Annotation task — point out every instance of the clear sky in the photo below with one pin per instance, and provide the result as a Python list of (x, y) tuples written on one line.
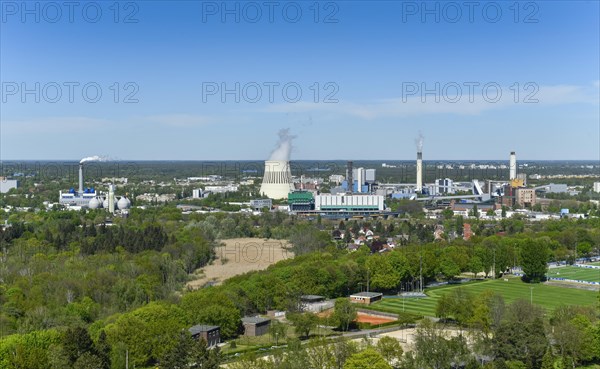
[(371, 74)]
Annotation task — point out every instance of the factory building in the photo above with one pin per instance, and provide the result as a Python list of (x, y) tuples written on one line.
[(301, 201), (554, 188), (258, 204), (525, 197), (221, 189), (370, 175), (89, 198), (596, 187), (7, 184), (360, 175), (328, 202), (444, 186), (336, 178)]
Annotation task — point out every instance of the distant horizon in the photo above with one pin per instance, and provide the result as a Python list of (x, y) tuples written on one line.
[(597, 161)]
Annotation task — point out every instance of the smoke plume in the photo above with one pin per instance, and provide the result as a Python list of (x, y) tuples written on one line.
[(284, 146), (92, 158), (419, 142)]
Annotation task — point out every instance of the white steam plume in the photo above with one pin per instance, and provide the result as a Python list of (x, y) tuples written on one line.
[(419, 142), (284, 146), (92, 158)]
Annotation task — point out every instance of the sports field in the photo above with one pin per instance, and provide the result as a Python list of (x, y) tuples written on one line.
[(549, 297), (576, 273)]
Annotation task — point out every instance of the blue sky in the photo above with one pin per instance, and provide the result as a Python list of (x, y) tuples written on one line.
[(365, 59)]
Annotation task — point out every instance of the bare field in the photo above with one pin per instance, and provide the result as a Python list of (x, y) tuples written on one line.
[(239, 256), (373, 319)]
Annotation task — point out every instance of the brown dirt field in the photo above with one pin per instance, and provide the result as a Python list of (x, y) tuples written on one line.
[(239, 256), (372, 319)]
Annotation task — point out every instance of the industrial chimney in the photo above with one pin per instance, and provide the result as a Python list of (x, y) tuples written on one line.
[(111, 198), (80, 178), (419, 188), (349, 177), (513, 166)]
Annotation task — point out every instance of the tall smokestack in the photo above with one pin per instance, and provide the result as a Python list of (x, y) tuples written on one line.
[(419, 188), (80, 178), (111, 198), (513, 166), (419, 142), (349, 177)]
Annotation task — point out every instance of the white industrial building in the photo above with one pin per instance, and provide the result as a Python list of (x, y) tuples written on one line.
[(7, 184), (596, 186), (370, 175), (220, 189), (556, 188), (336, 178), (347, 202), (444, 186), (258, 204)]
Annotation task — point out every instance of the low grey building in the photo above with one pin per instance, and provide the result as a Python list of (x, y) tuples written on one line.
[(210, 333), (258, 204), (255, 326)]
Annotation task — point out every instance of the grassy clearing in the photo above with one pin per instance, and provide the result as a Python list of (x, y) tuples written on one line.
[(549, 297)]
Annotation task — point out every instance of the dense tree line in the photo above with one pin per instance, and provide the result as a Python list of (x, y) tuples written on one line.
[(62, 270)]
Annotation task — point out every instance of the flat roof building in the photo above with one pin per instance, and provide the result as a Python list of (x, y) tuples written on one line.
[(210, 333), (7, 184), (366, 298), (328, 202), (255, 326), (525, 197)]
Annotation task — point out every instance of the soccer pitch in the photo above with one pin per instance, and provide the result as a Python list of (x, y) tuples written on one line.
[(549, 297), (576, 273)]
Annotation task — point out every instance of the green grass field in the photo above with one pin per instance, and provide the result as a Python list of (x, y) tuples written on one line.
[(549, 297), (571, 272)]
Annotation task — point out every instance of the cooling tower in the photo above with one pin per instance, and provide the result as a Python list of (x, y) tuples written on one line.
[(277, 182), (419, 188), (513, 166)]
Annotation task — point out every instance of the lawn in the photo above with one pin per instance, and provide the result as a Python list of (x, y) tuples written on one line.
[(576, 273), (549, 297)]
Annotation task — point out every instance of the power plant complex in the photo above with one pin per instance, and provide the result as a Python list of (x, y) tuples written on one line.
[(359, 193), (89, 198)]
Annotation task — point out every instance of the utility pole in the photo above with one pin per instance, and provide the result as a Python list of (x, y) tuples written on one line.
[(127, 359), (368, 275), (494, 271), (421, 271)]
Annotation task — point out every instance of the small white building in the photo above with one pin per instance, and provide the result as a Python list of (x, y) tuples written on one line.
[(7, 184)]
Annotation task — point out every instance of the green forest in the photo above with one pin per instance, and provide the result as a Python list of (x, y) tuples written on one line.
[(79, 290)]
